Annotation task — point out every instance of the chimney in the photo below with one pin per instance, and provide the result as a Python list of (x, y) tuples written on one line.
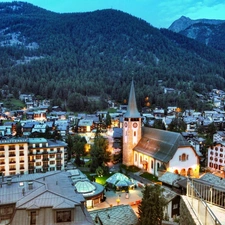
[(30, 185), (9, 180)]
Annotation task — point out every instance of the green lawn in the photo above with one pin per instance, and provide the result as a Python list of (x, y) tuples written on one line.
[(13, 104)]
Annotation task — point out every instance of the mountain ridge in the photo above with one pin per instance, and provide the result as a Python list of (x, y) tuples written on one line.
[(74, 55)]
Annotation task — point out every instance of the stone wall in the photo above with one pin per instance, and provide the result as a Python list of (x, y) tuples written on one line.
[(187, 216)]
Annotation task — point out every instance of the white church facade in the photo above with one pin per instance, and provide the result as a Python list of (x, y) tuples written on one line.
[(154, 150)]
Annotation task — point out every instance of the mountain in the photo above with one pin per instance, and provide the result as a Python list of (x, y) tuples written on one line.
[(208, 32), (71, 57), (184, 22)]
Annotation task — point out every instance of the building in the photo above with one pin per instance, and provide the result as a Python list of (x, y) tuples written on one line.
[(151, 149), (44, 198), (31, 155), (216, 156)]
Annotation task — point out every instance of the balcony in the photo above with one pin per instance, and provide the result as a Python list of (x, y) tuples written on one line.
[(12, 155), (12, 162), (2, 156), (2, 170), (2, 162), (21, 154), (22, 168)]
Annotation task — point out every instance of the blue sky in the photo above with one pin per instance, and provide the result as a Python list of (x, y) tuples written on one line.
[(159, 13)]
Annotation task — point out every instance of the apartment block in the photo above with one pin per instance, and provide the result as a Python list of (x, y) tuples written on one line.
[(31, 155)]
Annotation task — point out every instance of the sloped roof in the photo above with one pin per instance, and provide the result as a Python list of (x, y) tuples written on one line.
[(132, 111), (119, 177), (160, 144), (119, 215)]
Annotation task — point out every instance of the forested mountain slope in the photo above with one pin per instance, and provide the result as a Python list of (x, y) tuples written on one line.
[(69, 57)]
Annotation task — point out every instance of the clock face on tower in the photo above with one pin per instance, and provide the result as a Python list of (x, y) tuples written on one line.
[(135, 125), (125, 124)]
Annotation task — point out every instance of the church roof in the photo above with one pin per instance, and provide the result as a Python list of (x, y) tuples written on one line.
[(160, 144), (132, 111)]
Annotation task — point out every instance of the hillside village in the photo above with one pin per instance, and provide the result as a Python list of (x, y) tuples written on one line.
[(30, 153)]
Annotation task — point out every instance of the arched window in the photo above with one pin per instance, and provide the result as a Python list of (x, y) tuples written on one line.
[(183, 158)]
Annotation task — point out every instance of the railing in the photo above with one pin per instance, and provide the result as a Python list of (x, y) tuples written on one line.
[(202, 209)]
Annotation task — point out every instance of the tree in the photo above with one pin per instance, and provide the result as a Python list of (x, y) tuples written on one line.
[(99, 153), (152, 205), (108, 121), (78, 148), (19, 132), (159, 124), (177, 125)]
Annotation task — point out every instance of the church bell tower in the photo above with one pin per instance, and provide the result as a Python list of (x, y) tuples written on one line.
[(131, 128)]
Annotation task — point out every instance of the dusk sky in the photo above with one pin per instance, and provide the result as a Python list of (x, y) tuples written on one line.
[(159, 13)]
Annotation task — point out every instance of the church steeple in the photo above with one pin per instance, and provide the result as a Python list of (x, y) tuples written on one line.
[(132, 111), (131, 128)]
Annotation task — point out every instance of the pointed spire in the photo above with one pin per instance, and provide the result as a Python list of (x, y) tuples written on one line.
[(132, 111)]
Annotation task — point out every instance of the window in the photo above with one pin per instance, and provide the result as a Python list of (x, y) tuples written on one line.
[(38, 163), (32, 217), (140, 159), (52, 162), (135, 157), (211, 153), (183, 157), (152, 164), (216, 148), (63, 216), (221, 149), (134, 133), (175, 206)]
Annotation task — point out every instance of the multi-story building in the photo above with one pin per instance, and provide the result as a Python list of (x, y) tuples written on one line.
[(31, 155), (46, 155), (14, 156), (216, 156)]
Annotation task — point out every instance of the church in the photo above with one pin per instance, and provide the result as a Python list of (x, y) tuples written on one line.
[(155, 150)]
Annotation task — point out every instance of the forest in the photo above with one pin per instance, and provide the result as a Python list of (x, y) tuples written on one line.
[(71, 58)]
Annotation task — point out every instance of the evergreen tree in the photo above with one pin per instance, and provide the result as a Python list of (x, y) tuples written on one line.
[(19, 132), (152, 205), (99, 153), (108, 121)]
